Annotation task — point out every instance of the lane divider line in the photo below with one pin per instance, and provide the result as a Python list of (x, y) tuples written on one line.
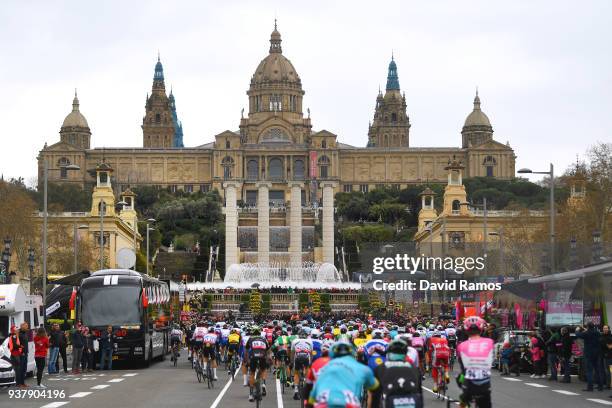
[(564, 392), (279, 395), (435, 393), (55, 404), (224, 390), (600, 401), (80, 394)]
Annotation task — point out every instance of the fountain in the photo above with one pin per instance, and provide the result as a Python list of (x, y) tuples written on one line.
[(308, 274)]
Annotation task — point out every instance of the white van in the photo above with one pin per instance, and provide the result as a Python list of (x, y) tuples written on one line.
[(15, 308)]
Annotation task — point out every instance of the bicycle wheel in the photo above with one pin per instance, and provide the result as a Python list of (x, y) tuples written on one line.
[(282, 378), (198, 372), (257, 390), (209, 375)]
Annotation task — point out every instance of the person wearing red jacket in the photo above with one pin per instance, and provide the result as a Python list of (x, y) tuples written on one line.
[(41, 346)]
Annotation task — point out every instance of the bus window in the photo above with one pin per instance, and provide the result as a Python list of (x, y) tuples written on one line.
[(27, 317), (4, 327)]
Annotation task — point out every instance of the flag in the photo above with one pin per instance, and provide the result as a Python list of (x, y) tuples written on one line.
[(145, 300), (73, 298), (458, 311)]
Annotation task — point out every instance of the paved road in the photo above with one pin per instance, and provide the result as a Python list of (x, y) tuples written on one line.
[(163, 385)]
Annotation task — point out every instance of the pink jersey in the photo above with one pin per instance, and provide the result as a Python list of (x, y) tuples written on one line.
[(417, 342), (476, 356)]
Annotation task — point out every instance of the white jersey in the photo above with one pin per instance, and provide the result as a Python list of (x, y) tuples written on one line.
[(450, 332), (225, 333), (199, 333), (299, 346), (176, 333), (413, 355)]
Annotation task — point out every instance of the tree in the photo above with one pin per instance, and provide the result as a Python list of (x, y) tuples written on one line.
[(60, 259), (600, 183), (65, 197)]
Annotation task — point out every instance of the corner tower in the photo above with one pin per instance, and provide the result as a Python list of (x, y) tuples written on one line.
[(158, 128), (391, 125)]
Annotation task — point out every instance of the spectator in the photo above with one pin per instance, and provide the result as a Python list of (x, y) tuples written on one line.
[(56, 337), (606, 352), (16, 348), (41, 346), (553, 344), (506, 356), (565, 353), (592, 355), (24, 339), (87, 363), (537, 354), (107, 342), (78, 342), (65, 328)]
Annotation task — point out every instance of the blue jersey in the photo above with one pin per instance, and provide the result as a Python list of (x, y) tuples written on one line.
[(341, 382), (374, 352), (316, 348)]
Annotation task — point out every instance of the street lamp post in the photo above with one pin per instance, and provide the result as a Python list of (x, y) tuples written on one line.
[(500, 234), (484, 229), (76, 245), (46, 170), (149, 221), (550, 173)]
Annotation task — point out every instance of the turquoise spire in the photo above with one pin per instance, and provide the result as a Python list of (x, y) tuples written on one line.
[(159, 70), (392, 78), (178, 126)]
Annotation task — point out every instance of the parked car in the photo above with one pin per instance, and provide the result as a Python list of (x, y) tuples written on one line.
[(7, 373), (519, 339)]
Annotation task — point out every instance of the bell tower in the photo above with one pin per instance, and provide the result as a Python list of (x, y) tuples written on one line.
[(454, 192), (103, 198), (428, 211), (391, 125), (158, 125)]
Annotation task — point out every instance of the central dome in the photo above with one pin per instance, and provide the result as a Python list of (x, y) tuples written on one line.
[(75, 118), (275, 68)]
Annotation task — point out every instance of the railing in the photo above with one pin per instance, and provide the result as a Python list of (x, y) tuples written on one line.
[(508, 213)]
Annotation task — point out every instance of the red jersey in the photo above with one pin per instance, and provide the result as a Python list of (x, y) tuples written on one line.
[(316, 366), (438, 346)]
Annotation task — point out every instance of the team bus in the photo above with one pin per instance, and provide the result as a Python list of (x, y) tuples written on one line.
[(137, 306)]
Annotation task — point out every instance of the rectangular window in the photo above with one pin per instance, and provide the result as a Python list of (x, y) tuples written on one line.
[(489, 171), (323, 172), (204, 188), (363, 188), (188, 188), (277, 197), (251, 197), (348, 188), (276, 103)]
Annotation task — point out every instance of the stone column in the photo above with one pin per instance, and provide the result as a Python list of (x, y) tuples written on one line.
[(263, 222), (295, 224), (328, 221), (231, 224)]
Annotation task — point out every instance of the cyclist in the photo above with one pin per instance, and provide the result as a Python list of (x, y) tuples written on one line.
[(224, 334), (301, 350), (400, 380), (280, 349), (245, 356), (439, 353), (315, 335), (317, 365), (233, 343), (475, 357), (374, 350), (198, 339), (257, 350), (176, 338), (334, 388), (209, 350)]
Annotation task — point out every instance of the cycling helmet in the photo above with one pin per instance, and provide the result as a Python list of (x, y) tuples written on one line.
[(397, 347), (326, 346), (439, 328), (255, 330), (341, 349), (432, 327), (450, 326), (315, 333), (377, 334), (211, 329), (435, 333), (303, 334), (474, 323)]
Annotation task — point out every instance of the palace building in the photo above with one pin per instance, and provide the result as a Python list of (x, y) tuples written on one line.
[(275, 155)]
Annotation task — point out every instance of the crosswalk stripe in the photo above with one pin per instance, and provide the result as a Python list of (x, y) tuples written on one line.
[(511, 379), (80, 394), (564, 392), (130, 374), (600, 401), (116, 380), (100, 387), (537, 385)]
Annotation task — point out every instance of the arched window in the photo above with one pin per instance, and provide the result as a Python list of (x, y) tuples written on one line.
[(275, 168), (324, 167), (394, 117), (489, 162), (62, 163), (227, 144), (456, 206), (228, 166), (252, 169), (298, 169), (324, 144), (157, 118)]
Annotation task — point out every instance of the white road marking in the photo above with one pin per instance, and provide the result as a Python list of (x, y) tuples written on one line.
[(100, 387), (130, 374), (511, 379), (80, 394), (116, 380), (55, 404), (537, 385), (600, 401), (224, 390), (435, 393), (279, 396), (564, 392)]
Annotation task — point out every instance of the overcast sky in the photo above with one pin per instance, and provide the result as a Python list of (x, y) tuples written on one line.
[(543, 69)]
